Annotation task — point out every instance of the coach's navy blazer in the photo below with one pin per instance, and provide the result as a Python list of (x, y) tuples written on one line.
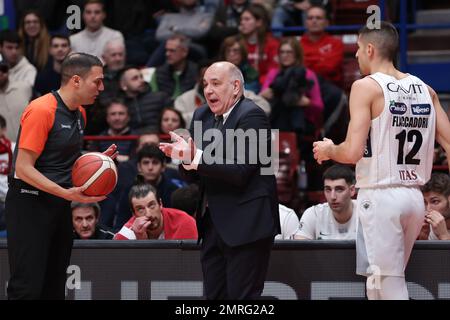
[(243, 204)]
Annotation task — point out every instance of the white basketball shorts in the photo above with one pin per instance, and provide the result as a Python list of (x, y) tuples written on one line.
[(390, 220)]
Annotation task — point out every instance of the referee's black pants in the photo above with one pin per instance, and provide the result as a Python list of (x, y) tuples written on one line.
[(40, 237)]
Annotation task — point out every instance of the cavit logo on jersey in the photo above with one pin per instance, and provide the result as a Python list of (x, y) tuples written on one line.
[(421, 109), (397, 107)]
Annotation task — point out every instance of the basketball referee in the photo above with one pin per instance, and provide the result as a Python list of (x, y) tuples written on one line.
[(38, 215)]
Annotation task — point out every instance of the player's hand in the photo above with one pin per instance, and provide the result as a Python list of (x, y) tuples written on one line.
[(437, 222), (76, 194), (140, 226), (321, 150), (111, 151), (179, 149)]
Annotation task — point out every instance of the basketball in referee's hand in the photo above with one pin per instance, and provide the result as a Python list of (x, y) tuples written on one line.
[(96, 171)]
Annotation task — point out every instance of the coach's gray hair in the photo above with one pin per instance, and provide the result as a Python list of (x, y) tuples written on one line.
[(236, 74)]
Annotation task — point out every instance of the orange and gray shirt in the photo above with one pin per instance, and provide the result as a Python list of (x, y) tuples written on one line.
[(54, 132)]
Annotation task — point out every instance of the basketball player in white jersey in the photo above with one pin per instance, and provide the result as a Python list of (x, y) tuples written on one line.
[(395, 118), (335, 219)]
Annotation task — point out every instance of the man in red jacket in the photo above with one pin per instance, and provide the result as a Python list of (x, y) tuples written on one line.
[(151, 221), (323, 53)]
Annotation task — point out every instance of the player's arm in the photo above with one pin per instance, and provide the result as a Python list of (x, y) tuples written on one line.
[(442, 124), (352, 149), (26, 171)]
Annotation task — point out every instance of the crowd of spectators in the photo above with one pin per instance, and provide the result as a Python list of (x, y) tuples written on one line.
[(154, 58)]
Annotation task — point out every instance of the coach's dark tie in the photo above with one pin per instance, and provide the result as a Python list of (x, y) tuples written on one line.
[(218, 122)]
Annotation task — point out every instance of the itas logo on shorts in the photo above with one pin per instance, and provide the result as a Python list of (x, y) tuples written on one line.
[(397, 107), (421, 109)]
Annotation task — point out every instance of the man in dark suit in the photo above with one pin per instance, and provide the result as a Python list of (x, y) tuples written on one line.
[(238, 214)]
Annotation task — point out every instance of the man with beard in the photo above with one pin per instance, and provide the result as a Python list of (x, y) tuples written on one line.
[(143, 105), (151, 220), (336, 219)]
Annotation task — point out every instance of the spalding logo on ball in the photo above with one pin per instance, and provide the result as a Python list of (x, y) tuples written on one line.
[(96, 171)]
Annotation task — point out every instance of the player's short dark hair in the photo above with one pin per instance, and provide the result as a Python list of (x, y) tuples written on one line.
[(186, 199), (384, 38), (152, 152), (439, 183), (78, 63), (141, 189), (339, 171)]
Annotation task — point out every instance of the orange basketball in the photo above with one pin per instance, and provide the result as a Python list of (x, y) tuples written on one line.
[(96, 171)]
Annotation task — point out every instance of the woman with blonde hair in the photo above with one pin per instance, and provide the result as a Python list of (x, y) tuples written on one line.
[(35, 38)]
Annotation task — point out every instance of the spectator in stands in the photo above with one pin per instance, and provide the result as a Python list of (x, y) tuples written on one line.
[(192, 20), (95, 35), (114, 57), (186, 199), (170, 120), (35, 38), (151, 164), (14, 97), (147, 136), (178, 74), (143, 105), (228, 15), (436, 193), (289, 223), (323, 53), (269, 5), (233, 50), (49, 78), (261, 46), (294, 91), (6, 150), (118, 119), (20, 69), (153, 221), (85, 222), (194, 98), (127, 171), (226, 23), (289, 13), (336, 219)]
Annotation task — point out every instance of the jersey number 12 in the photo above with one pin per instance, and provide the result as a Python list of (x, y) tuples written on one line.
[(412, 136)]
